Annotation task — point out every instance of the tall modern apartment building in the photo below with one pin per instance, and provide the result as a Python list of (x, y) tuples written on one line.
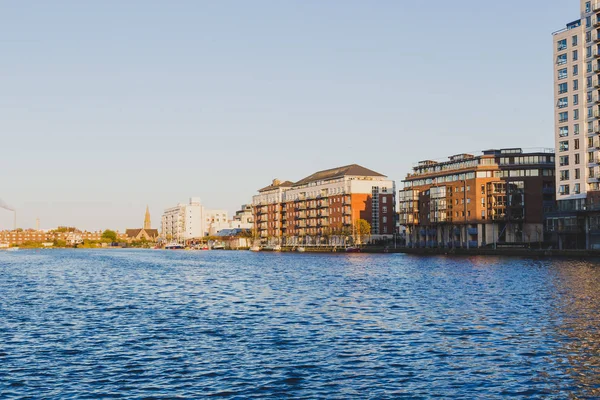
[(577, 128)]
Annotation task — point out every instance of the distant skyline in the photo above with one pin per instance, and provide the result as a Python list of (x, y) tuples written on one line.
[(106, 107)]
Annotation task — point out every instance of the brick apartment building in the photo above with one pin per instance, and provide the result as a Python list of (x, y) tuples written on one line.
[(499, 196), (325, 206)]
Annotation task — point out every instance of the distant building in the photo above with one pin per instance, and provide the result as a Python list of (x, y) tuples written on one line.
[(325, 206), (146, 233), (499, 196), (72, 236)]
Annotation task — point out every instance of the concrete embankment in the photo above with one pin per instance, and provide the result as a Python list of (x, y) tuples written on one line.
[(513, 252)]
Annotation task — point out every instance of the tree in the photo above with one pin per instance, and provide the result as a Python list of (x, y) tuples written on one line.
[(362, 229), (109, 235)]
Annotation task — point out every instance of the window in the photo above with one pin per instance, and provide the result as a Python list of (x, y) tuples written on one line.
[(384, 200), (588, 7), (562, 73), (564, 175), (384, 220), (576, 114), (575, 70), (588, 37), (588, 53), (575, 99), (563, 161), (577, 188), (576, 158), (574, 40), (588, 21), (575, 84), (563, 131), (562, 88), (563, 116), (576, 144), (562, 58), (563, 189), (577, 173), (483, 201), (561, 44), (384, 209), (563, 102), (576, 129), (589, 66), (575, 55)]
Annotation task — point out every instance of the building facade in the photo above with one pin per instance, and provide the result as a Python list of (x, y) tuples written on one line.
[(499, 196), (184, 221), (324, 207), (577, 130)]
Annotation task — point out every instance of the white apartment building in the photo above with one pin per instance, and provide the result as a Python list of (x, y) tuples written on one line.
[(184, 221)]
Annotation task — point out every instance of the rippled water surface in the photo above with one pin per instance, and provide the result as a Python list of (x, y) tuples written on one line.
[(153, 324)]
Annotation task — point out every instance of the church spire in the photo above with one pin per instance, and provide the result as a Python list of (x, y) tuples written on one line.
[(147, 224)]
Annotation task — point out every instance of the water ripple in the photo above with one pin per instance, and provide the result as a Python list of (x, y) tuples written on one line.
[(239, 325)]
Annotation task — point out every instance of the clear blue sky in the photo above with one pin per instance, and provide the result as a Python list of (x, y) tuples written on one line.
[(106, 106)]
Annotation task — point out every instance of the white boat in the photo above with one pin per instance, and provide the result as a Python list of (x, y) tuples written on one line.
[(255, 248), (12, 249), (300, 249), (173, 246)]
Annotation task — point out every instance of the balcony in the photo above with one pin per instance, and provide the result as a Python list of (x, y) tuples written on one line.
[(323, 223), (301, 216), (596, 22), (323, 204), (324, 213), (596, 7), (596, 37), (347, 211), (301, 206)]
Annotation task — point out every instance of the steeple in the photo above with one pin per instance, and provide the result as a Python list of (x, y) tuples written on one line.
[(147, 224)]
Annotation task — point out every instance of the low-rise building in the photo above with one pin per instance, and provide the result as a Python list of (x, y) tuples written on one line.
[(498, 196)]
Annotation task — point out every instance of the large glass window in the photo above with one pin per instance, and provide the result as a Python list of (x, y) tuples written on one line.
[(563, 116), (563, 131), (563, 146), (562, 58), (563, 102), (563, 88), (561, 44), (562, 73)]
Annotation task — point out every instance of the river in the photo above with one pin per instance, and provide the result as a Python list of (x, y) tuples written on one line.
[(240, 325)]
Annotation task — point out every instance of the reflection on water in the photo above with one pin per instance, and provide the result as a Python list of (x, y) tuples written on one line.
[(577, 291), (148, 324)]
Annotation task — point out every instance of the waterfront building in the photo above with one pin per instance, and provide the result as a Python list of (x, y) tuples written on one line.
[(71, 236), (474, 200), (325, 206), (184, 221), (576, 223), (145, 233)]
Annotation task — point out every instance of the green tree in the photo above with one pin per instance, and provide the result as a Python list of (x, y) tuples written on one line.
[(362, 229), (109, 235)]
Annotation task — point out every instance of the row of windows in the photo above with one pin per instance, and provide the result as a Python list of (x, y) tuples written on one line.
[(564, 145), (565, 189), (564, 160)]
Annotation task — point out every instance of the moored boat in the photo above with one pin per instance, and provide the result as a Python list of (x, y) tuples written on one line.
[(300, 249), (255, 248), (173, 246), (353, 249)]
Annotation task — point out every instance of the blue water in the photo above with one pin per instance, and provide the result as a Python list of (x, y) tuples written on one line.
[(151, 324)]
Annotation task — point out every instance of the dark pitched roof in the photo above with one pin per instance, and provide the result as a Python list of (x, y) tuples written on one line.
[(135, 232), (339, 172), (282, 184)]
